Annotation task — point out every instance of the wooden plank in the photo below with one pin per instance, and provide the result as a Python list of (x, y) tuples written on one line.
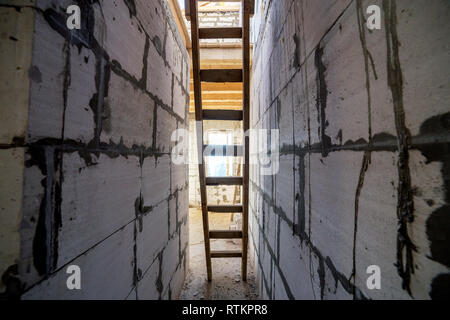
[(225, 209), (199, 130), (211, 150), (228, 105), (224, 115), (224, 181), (221, 75), (208, 107), (175, 7), (219, 103), (225, 234), (220, 33), (251, 7), (222, 95), (247, 8), (224, 86), (226, 254)]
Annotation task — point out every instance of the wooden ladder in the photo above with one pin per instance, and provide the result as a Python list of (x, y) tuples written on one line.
[(222, 76)]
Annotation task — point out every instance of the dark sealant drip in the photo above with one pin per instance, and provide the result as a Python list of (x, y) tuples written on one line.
[(159, 284), (306, 89), (367, 154), (321, 100), (45, 241), (405, 202), (365, 165), (131, 7), (143, 81)]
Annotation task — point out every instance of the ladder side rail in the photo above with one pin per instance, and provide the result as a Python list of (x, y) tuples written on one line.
[(246, 5), (199, 126)]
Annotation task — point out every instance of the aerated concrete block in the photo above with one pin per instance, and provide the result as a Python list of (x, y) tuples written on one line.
[(294, 263), (153, 237), (79, 119), (47, 72), (106, 272), (423, 32), (334, 182), (156, 180), (170, 260), (377, 221), (180, 99), (102, 197), (149, 285), (165, 127), (316, 18), (159, 75), (119, 34), (11, 197), (121, 125), (15, 58)]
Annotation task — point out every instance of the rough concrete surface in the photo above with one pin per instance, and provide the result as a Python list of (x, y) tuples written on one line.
[(93, 112), (364, 136)]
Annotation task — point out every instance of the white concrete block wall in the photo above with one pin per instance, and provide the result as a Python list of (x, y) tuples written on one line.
[(99, 188), (351, 164)]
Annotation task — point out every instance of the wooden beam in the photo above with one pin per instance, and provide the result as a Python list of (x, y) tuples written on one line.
[(225, 209), (220, 64), (221, 75), (221, 95), (247, 8), (221, 86), (223, 115), (225, 234), (224, 181), (220, 33), (222, 103), (226, 254), (175, 7), (199, 130), (187, 9), (206, 107)]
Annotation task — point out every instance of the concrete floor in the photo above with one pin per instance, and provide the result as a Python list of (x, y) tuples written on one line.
[(226, 283)]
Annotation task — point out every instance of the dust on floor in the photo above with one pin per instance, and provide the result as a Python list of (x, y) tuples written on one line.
[(226, 283)]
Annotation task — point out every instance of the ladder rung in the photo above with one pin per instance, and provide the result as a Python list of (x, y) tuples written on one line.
[(220, 33), (221, 75), (226, 115), (225, 234), (224, 181), (226, 254), (225, 209), (223, 151)]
